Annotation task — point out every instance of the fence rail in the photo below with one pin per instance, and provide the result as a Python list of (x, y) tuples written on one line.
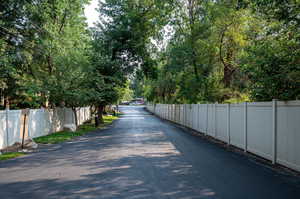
[(39, 122), (268, 129)]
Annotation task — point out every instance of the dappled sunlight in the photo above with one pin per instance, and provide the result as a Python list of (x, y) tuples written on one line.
[(182, 169), (123, 163), (152, 144), (117, 169), (144, 150)]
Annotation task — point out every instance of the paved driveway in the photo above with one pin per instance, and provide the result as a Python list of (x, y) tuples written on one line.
[(141, 157)]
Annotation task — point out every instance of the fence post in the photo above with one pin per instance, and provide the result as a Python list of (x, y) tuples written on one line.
[(185, 115), (176, 113), (191, 116), (188, 115), (65, 116), (274, 129), (215, 118), (7, 129), (228, 123), (173, 113), (179, 114), (206, 128), (29, 123), (168, 111), (198, 119), (245, 127)]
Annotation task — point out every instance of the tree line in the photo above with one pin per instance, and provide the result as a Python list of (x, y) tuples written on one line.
[(50, 58), (228, 51), (176, 51)]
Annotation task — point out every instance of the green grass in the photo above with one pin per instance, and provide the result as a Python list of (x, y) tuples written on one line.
[(10, 155), (63, 136)]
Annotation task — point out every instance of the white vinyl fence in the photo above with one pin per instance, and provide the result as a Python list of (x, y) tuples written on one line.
[(268, 129), (39, 122)]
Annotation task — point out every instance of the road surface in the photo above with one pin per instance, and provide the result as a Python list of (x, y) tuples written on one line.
[(140, 157)]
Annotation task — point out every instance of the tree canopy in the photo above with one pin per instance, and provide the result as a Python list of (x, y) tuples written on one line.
[(177, 51)]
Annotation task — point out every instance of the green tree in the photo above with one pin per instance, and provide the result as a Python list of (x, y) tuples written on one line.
[(38, 42), (106, 75), (126, 93), (272, 59)]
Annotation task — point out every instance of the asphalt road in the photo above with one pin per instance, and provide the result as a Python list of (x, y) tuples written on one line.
[(139, 157)]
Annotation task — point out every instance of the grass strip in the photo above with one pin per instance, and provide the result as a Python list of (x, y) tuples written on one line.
[(63, 136), (10, 155)]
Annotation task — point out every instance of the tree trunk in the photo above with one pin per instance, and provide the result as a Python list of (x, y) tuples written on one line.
[(6, 102), (228, 68), (99, 118), (227, 75), (75, 115), (226, 61), (97, 121)]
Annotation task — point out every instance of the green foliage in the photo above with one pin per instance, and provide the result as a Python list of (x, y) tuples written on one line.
[(229, 51), (179, 52), (44, 48), (282, 10), (129, 27), (10, 155), (126, 93), (105, 75), (137, 86), (274, 69)]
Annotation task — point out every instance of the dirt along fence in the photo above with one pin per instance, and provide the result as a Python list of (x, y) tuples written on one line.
[(31, 123), (268, 129)]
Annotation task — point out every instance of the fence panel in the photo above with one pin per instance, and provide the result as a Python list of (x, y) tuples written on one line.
[(237, 125), (36, 123), (202, 118), (194, 115), (177, 120), (272, 129), (3, 129), (186, 115), (180, 114), (288, 134), (40, 122), (221, 122), (189, 115), (14, 125), (259, 128), (211, 130)]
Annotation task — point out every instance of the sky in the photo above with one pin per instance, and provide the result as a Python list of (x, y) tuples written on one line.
[(90, 12)]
